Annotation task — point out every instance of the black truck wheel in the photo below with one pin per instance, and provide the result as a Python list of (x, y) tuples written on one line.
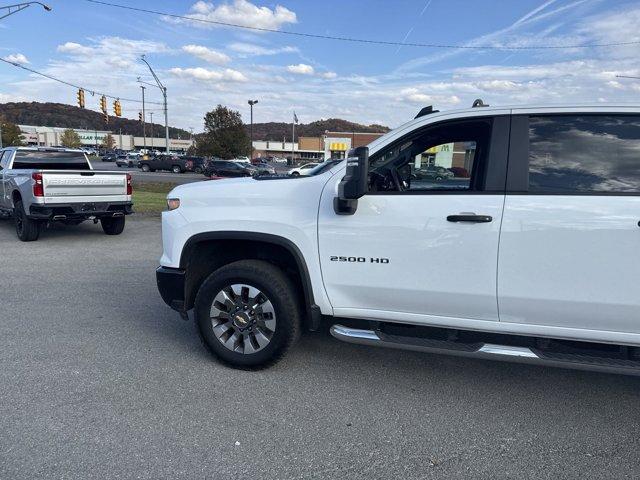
[(112, 225), (27, 229), (248, 314), (145, 167)]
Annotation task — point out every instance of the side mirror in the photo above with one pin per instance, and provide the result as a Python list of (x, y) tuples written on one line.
[(355, 182)]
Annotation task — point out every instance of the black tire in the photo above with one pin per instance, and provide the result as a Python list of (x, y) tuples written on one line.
[(112, 225), (27, 229), (176, 169), (280, 291), (295, 174), (145, 168), (197, 170)]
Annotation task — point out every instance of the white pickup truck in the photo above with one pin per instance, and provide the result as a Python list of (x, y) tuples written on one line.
[(529, 250), (44, 185)]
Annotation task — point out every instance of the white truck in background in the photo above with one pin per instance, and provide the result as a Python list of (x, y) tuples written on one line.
[(529, 250), (43, 185)]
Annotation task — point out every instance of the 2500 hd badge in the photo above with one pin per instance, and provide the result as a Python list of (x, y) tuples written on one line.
[(335, 258)]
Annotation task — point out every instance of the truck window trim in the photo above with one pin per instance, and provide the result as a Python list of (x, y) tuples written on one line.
[(518, 162), (493, 166)]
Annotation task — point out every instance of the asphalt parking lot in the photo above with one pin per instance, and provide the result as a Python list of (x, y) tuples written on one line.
[(100, 379)]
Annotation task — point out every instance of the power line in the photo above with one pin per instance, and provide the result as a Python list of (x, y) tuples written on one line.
[(364, 40), (51, 77)]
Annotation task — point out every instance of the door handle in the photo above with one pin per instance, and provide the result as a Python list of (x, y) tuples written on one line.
[(470, 218)]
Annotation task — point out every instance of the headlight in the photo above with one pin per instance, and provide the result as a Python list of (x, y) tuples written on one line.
[(173, 203)]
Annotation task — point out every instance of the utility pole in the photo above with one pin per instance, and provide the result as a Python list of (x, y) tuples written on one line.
[(164, 96), (144, 133), (0, 134), (251, 104), (151, 113)]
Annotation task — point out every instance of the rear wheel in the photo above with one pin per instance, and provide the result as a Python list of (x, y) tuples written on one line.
[(247, 314), (27, 229), (176, 169), (145, 168), (198, 170), (112, 226), (295, 174)]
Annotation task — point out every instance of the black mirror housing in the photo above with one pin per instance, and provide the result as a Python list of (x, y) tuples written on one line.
[(355, 182)]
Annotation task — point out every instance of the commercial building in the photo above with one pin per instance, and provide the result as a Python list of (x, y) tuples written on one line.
[(329, 145), (50, 137)]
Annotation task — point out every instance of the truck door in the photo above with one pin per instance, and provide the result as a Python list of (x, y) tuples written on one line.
[(422, 247), (570, 242)]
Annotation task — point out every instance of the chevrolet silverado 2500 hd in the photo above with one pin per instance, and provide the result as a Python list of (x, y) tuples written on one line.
[(43, 185), (527, 251)]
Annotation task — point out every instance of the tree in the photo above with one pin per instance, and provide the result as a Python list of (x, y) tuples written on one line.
[(108, 142), (224, 135), (11, 134), (70, 139)]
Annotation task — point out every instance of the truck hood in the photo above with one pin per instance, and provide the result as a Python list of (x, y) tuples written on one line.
[(234, 192)]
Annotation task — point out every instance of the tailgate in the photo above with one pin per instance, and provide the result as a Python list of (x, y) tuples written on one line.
[(84, 186)]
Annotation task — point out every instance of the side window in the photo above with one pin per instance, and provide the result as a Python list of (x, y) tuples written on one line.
[(2, 161), (584, 154), (448, 157)]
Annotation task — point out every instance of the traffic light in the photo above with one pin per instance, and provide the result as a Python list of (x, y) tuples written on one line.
[(117, 108), (103, 108), (140, 116), (81, 98)]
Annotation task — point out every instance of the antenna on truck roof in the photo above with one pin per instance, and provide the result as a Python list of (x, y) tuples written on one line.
[(426, 111)]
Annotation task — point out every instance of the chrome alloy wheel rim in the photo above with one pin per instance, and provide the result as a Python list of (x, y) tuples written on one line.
[(243, 318)]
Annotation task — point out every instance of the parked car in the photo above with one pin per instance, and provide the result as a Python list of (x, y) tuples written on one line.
[(171, 163), (44, 185), (264, 168), (242, 160), (432, 172), (228, 168), (109, 157), (302, 169), (127, 161), (195, 164), (278, 160), (533, 259)]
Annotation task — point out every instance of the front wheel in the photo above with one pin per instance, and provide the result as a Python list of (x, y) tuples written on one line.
[(176, 169), (112, 225), (27, 229), (145, 168), (197, 170), (295, 174), (248, 314)]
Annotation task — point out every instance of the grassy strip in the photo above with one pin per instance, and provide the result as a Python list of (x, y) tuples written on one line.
[(150, 198)]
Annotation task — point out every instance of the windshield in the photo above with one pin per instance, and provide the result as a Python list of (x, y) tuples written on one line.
[(323, 167), (44, 160)]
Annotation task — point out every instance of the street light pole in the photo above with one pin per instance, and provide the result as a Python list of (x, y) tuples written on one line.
[(164, 96), (251, 104), (21, 6)]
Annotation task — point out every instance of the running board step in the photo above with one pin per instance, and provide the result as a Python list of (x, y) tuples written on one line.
[(488, 351)]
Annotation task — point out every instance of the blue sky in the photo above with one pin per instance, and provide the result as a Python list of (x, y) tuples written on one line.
[(203, 65)]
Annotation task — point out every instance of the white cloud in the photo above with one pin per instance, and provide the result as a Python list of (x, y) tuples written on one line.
[(415, 95), (73, 48), (329, 75), (301, 69), (252, 50), (203, 74), (207, 54), (240, 12), (16, 58)]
